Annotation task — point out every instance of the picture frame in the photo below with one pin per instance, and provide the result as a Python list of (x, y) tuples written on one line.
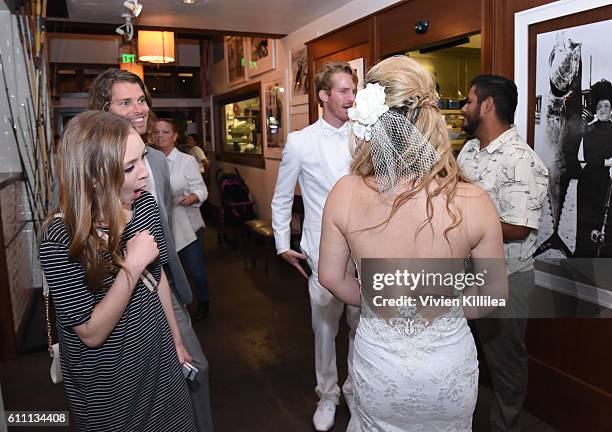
[(275, 107), (358, 66), (208, 137), (298, 61), (261, 55), (539, 32), (235, 60)]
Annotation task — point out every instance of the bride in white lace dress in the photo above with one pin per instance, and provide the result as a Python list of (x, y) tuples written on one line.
[(415, 366)]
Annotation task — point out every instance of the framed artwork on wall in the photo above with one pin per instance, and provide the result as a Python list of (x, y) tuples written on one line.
[(275, 108), (562, 72), (261, 56), (358, 66), (235, 60), (299, 76)]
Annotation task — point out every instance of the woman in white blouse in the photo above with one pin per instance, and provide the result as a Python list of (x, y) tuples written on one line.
[(188, 194)]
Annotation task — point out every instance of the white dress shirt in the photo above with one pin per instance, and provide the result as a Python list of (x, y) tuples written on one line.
[(185, 179), (316, 157)]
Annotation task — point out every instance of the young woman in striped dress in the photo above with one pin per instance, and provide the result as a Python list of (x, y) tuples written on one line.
[(102, 253)]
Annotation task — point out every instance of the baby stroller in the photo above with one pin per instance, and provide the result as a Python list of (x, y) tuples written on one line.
[(236, 204)]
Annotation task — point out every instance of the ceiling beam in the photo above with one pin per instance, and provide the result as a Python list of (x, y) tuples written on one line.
[(63, 26)]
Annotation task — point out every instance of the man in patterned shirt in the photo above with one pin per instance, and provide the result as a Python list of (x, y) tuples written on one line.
[(500, 161)]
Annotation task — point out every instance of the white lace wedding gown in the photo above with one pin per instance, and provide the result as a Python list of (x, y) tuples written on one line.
[(410, 375)]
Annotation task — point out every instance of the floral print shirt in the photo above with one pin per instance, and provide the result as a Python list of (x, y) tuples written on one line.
[(517, 181)]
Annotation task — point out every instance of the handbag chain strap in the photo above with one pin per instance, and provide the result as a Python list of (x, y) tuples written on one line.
[(46, 297)]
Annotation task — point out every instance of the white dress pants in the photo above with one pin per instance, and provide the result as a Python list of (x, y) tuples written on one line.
[(326, 313)]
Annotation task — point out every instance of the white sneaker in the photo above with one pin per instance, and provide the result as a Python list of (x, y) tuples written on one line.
[(323, 418)]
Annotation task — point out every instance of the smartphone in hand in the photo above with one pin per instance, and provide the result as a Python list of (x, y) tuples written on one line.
[(190, 371)]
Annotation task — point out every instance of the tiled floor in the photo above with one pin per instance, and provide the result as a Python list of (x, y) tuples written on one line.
[(259, 344)]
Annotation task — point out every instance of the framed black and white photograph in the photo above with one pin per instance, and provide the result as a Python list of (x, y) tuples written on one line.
[(299, 76), (276, 113), (235, 60), (565, 93), (261, 55)]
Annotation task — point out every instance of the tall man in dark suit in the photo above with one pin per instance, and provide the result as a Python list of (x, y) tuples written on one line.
[(123, 93)]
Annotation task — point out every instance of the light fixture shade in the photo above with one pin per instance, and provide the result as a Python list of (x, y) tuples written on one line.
[(155, 46), (135, 68)]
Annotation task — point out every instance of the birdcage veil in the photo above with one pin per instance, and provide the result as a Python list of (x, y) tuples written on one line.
[(400, 152)]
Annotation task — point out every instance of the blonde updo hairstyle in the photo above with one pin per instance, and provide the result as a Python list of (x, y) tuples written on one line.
[(411, 89)]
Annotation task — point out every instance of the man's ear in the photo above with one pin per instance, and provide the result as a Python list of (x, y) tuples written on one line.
[(323, 96), (487, 105)]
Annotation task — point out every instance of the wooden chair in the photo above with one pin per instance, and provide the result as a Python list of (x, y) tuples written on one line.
[(260, 231)]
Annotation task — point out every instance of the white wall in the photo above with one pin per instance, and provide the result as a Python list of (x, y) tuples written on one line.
[(20, 257), (262, 181)]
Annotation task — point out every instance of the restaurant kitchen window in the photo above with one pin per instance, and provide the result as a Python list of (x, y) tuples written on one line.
[(240, 132)]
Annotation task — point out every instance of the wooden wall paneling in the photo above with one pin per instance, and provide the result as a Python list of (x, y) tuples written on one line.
[(565, 402), (503, 56), (570, 385), (577, 347), (487, 33), (348, 54), (374, 56), (345, 44), (341, 39), (447, 20)]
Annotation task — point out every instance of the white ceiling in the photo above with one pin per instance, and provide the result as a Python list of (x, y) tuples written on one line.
[(258, 16)]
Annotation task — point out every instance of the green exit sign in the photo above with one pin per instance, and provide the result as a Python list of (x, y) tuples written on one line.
[(128, 58)]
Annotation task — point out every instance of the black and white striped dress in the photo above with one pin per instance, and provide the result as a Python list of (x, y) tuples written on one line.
[(133, 382)]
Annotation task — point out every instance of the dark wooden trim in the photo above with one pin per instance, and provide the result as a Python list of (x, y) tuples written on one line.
[(64, 26), (487, 36), (564, 401), (247, 91), (339, 40), (257, 161), (447, 21), (238, 92)]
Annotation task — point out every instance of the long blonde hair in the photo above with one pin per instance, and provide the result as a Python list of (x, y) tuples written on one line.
[(409, 87), (90, 177)]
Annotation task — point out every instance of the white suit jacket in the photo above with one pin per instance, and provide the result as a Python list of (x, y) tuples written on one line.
[(316, 157)]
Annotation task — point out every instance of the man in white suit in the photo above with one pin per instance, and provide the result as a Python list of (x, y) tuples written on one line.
[(316, 157)]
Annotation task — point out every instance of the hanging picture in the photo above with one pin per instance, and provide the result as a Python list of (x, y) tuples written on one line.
[(565, 98), (261, 55), (357, 66), (235, 60), (276, 112), (299, 76)]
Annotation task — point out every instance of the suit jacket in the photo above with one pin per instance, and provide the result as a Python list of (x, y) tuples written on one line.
[(316, 157), (178, 279)]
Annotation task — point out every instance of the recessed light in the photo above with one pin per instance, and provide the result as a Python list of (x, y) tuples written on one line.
[(190, 1)]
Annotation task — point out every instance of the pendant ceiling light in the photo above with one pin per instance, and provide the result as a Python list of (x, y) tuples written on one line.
[(135, 68), (155, 46)]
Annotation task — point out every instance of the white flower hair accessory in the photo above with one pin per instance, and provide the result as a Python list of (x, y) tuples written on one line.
[(369, 106)]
